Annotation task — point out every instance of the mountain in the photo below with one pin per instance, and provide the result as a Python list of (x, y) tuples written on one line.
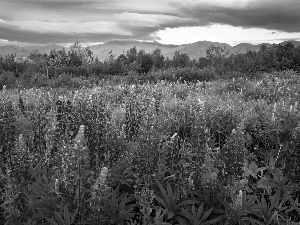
[(25, 51), (245, 47), (194, 50), (9, 49), (295, 43), (197, 49), (120, 47)]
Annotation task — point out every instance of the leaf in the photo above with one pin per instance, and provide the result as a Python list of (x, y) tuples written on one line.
[(187, 202), (250, 201), (205, 215), (253, 221), (180, 220), (292, 202), (51, 221), (59, 219), (253, 167), (161, 201), (67, 216), (272, 163), (36, 170), (166, 201)]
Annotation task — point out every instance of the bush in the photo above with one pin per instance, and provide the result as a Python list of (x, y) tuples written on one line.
[(40, 80), (235, 85), (63, 80), (168, 75), (8, 79), (191, 74)]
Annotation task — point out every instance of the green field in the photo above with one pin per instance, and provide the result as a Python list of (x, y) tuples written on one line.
[(226, 151)]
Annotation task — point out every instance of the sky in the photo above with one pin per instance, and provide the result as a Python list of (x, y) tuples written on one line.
[(42, 22)]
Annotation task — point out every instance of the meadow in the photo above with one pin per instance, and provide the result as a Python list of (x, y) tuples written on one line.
[(215, 152)]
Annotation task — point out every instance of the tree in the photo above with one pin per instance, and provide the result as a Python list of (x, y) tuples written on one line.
[(79, 56), (145, 61), (36, 57), (216, 56), (296, 59), (55, 60), (204, 62), (267, 59), (158, 59), (131, 55), (118, 66), (181, 59), (38, 62)]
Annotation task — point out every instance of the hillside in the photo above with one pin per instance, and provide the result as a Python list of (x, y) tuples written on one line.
[(194, 50), (120, 47)]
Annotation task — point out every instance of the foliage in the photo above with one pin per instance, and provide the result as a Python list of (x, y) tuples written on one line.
[(8, 79), (142, 153)]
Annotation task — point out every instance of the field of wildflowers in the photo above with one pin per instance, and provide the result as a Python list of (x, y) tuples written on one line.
[(223, 152)]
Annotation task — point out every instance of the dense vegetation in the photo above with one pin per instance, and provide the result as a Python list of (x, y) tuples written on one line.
[(150, 148), (61, 68)]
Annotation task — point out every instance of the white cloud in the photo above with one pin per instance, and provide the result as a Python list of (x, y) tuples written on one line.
[(222, 33)]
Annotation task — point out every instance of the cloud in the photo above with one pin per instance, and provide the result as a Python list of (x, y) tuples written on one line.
[(143, 25), (51, 21), (106, 27), (268, 14), (45, 32)]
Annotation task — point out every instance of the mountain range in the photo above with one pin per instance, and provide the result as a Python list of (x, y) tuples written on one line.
[(194, 50)]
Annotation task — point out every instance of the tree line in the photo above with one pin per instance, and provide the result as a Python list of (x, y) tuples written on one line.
[(80, 61)]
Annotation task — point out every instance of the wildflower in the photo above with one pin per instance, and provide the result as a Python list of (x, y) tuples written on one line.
[(174, 136), (101, 180), (190, 180), (238, 201), (56, 184), (201, 103), (80, 135)]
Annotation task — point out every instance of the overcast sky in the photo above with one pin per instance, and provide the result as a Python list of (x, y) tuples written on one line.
[(33, 22)]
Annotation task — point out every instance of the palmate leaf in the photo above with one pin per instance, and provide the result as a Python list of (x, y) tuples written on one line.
[(120, 212), (248, 208), (61, 221), (170, 199), (281, 184), (197, 217)]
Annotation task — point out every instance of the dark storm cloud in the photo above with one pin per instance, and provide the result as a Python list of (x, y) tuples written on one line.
[(268, 14)]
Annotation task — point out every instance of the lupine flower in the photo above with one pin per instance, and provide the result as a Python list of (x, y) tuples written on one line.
[(238, 201), (100, 183), (174, 136), (80, 136)]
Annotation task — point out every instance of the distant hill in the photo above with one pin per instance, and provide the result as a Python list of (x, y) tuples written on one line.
[(194, 50), (120, 47), (197, 49), (295, 43)]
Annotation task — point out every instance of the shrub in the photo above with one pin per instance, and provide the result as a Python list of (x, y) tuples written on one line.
[(8, 79), (39, 80), (64, 79), (235, 85), (168, 75), (191, 74)]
